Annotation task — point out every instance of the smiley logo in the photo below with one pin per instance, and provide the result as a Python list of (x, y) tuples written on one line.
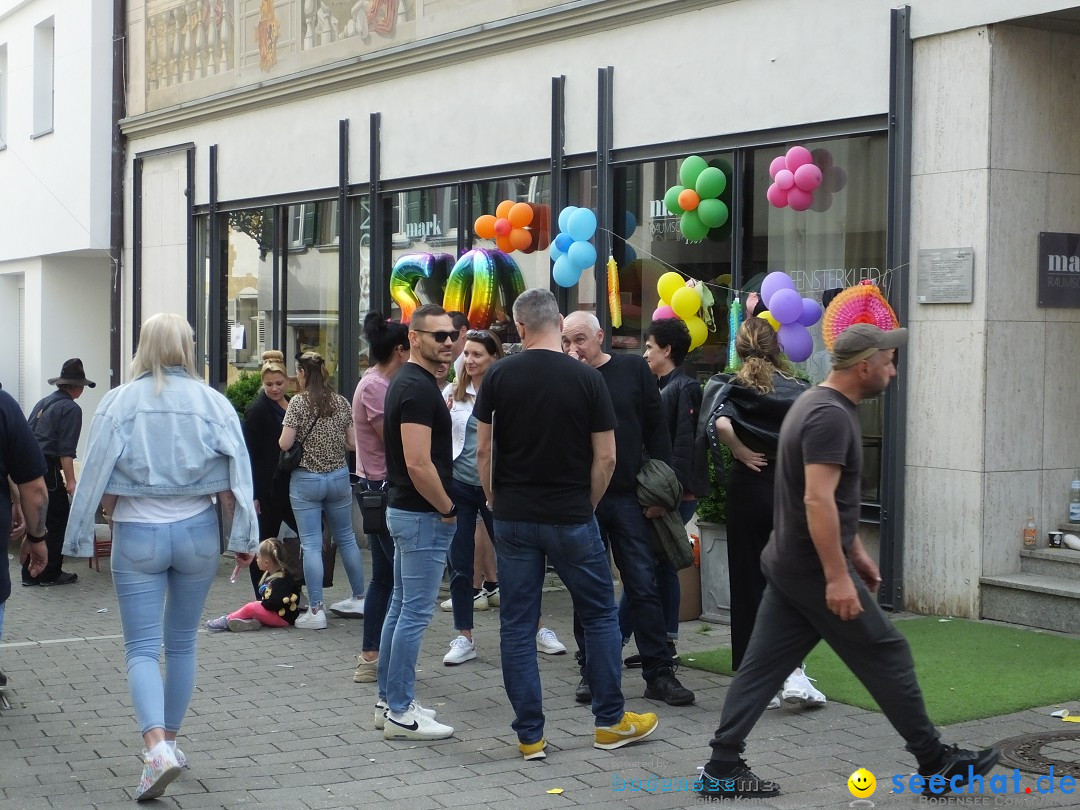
[(862, 784)]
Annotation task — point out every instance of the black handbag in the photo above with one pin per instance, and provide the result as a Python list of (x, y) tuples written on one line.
[(289, 459), (372, 498)]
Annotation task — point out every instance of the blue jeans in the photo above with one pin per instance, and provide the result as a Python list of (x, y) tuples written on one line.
[(162, 573), (469, 500), (421, 541), (312, 495), (628, 531), (667, 582), (580, 559), (379, 590)]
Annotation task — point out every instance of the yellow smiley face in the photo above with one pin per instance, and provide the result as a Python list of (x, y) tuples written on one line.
[(862, 784)]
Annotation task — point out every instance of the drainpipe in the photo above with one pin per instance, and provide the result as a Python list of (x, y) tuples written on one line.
[(116, 219)]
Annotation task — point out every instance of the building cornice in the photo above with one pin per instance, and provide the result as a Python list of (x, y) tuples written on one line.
[(573, 19)]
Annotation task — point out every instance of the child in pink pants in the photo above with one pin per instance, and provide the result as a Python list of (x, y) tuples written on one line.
[(279, 595)]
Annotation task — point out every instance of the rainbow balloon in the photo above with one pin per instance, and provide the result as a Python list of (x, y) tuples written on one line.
[(407, 273), (474, 279)]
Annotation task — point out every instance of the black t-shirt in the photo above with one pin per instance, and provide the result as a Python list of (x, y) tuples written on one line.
[(20, 457), (632, 387), (822, 427), (413, 397), (543, 407)]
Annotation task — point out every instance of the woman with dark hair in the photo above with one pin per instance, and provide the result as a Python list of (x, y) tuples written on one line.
[(322, 421), (745, 413), (262, 429), (388, 343)]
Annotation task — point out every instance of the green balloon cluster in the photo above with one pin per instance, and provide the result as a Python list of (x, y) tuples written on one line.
[(696, 202)]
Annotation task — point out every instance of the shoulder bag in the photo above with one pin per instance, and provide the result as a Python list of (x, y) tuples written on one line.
[(372, 498), (289, 459)]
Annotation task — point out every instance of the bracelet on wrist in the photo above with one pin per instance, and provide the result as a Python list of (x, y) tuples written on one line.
[(451, 513), (35, 539)]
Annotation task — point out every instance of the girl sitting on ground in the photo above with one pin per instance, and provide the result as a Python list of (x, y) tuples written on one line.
[(279, 595)]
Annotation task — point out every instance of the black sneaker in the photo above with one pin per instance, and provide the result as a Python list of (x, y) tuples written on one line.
[(960, 762), (666, 687), (634, 661), (583, 693), (64, 578), (737, 782)]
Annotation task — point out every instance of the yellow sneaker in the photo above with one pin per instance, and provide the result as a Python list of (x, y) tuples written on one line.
[(533, 750), (631, 729)]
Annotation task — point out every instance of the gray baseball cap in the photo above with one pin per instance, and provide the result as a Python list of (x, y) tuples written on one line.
[(862, 340)]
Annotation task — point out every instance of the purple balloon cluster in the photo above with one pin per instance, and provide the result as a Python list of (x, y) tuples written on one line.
[(793, 312)]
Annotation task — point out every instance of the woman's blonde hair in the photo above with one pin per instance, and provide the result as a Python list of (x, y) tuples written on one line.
[(272, 549), (165, 340), (759, 349), (492, 345), (318, 393), (273, 362)]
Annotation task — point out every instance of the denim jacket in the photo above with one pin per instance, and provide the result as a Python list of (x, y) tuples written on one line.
[(185, 440)]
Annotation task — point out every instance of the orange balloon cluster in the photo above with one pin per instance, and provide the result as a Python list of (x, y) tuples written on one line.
[(516, 226)]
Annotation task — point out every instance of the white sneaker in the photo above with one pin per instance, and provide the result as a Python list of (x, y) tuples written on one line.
[(159, 769), (461, 650), (799, 690), (351, 608), (381, 708), (479, 602), (774, 703), (312, 620), (548, 643), (492, 597), (415, 725)]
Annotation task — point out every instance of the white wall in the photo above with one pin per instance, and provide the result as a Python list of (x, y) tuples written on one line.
[(164, 234), (931, 17), (728, 68)]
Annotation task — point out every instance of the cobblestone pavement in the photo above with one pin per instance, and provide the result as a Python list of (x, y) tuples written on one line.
[(276, 719)]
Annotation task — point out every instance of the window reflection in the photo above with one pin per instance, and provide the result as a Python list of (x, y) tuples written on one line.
[(250, 291), (311, 282)]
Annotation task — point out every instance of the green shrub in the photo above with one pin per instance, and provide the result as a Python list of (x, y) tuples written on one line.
[(713, 507), (245, 389)]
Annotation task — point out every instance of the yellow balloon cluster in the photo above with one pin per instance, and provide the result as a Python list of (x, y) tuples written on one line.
[(680, 301)]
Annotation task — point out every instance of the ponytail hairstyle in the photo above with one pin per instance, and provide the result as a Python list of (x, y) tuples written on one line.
[(273, 361), (759, 349), (318, 393), (272, 549), (383, 337)]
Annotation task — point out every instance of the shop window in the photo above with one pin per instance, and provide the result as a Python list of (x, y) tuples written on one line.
[(326, 225), (311, 288), (249, 304), (839, 241), (424, 221)]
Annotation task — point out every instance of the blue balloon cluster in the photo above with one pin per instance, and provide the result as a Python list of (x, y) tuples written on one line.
[(571, 251)]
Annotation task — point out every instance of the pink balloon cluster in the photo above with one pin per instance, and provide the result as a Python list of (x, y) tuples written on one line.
[(795, 178), (793, 312)]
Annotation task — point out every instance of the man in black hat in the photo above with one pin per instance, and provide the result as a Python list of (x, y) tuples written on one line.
[(57, 422)]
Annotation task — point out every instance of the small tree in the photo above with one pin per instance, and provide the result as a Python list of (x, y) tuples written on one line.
[(245, 389)]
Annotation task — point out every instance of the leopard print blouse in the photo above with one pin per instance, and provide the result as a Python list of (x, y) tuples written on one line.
[(324, 447)]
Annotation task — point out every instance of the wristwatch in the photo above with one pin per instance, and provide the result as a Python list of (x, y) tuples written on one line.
[(34, 539), (451, 513)]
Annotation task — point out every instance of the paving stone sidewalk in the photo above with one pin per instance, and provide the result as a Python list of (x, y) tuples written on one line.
[(276, 719)]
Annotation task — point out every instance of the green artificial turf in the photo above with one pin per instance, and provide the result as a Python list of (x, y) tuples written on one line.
[(967, 670)]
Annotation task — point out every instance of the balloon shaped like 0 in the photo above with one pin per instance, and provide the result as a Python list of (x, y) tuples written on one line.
[(699, 332), (786, 306), (686, 302), (776, 280), (796, 341), (811, 312), (564, 273), (408, 270), (667, 284), (475, 278), (581, 225), (582, 255)]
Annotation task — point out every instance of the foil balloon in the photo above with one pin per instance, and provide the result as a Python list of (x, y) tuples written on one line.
[(614, 300), (475, 279), (407, 273), (862, 303)]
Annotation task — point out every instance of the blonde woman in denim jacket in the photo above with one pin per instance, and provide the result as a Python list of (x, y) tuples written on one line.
[(161, 448)]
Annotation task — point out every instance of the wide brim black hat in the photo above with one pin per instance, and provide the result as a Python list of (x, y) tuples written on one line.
[(73, 374)]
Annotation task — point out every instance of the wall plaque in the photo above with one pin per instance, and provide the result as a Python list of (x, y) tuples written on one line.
[(1059, 270), (946, 276)]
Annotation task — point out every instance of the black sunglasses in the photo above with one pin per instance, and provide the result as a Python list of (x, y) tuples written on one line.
[(439, 335)]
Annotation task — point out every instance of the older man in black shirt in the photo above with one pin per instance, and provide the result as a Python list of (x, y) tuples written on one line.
[(57, 422)]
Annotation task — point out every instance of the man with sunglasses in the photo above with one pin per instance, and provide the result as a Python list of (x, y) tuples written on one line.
[(421, 517)]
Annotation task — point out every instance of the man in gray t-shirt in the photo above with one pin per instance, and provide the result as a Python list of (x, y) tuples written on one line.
[(821, 581)]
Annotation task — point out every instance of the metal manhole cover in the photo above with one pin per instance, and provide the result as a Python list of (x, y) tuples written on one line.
[(1038, 753)]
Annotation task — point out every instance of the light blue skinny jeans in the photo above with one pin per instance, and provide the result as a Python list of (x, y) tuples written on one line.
[(162, 573), (421, 541), (312, 495)]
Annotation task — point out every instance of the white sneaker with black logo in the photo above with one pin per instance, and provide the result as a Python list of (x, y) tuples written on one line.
[(414, 724), (381, 708)]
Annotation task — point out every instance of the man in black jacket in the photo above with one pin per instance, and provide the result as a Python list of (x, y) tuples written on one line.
[(623, 522)]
